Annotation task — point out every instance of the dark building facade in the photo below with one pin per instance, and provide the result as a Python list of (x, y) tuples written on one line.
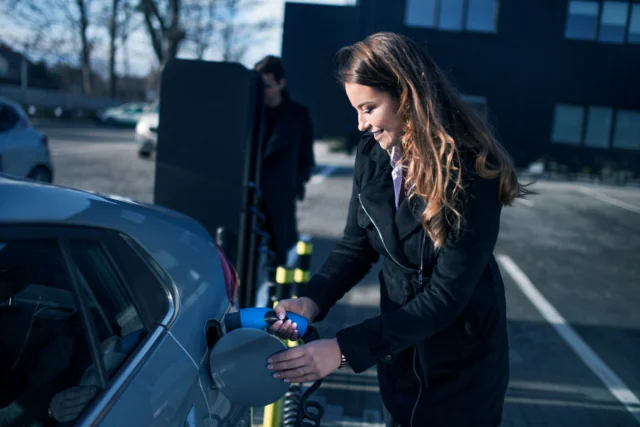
[(560, 79)]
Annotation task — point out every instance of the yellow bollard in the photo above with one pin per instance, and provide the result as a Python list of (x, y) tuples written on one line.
[(301, 273), (272, 414), (284, 281)]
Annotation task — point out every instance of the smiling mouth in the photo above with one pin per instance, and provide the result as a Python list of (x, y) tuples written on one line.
[(378, 132)]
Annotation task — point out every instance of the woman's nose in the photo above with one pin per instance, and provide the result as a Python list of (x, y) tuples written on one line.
[(362, 124)]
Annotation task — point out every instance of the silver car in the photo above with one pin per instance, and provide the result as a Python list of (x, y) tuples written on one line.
[(24, 151), (108, 311)]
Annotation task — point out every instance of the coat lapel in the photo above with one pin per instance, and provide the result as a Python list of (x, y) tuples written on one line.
[(408, 216), (378, 199)]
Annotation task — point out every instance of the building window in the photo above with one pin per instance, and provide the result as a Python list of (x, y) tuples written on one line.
[(482, 16), (599, 122), (453, 15), (570, 120), (451, 12), (608, 21), (627, 131), (582, 20), (420, 13), (613, 21), (634, 24), (567, 124)]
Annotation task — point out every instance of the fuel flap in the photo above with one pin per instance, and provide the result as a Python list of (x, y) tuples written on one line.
[(238, 364)]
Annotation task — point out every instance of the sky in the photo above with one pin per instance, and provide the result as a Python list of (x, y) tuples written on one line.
[(142, 58)]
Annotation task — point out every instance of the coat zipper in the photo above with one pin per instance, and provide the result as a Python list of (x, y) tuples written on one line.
[(420, 280), (415, 371), (384, 244)]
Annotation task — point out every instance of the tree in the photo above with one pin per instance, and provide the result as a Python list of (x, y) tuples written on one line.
[(163, 27), (113, 36), (200, 17), (218, 25), (236, 34), (118, 18), (85, 52), (127, 26), (48, 22)]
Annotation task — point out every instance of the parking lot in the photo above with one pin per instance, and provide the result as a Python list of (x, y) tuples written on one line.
[(569, 258)]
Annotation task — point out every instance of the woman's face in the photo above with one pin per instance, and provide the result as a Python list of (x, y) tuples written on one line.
[(377, 113)]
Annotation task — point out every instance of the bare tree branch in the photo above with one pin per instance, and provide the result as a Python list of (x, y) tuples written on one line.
[(200, 18), (167, 38), (237, 36), (85, 54), (50, 20)]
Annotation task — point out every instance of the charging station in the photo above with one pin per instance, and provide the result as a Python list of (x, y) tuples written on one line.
[(209, 154)]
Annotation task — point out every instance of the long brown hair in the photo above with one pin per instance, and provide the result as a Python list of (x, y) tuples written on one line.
[(438, 127)]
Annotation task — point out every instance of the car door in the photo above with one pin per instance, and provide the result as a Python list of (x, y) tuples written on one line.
[(162, 387), (97, 351), (13, 158)]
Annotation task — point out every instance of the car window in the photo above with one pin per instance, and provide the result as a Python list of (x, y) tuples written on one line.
[(44, 352), (8, 118), (45, 346), (103, 285)]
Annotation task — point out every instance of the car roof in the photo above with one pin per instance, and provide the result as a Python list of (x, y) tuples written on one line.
[(29, 202), (179, 244)]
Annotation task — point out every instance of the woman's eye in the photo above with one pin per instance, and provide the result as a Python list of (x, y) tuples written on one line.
[(368, 110)]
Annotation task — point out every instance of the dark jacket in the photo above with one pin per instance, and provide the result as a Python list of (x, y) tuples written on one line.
[(287, 163), (441, 337)]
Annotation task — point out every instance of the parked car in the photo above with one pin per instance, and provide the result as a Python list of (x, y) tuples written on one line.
[(124, 115), (24, 151), (108, 310), (147, 132)]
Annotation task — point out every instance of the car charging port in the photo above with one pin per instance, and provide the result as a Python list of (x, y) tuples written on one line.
[(212, 332)]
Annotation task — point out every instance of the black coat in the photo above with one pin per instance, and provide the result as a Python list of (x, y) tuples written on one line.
[(440, 343), (287, 163)]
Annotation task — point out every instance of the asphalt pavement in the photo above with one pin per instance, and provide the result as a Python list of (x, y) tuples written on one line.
[(569, 257)]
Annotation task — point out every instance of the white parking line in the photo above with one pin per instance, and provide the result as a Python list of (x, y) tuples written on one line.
[(610, 200), (324, 173), (613, 383)]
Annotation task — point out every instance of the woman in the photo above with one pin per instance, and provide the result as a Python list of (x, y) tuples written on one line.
[(429, 185)]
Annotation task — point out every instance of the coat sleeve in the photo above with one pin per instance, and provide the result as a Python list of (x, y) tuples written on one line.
[(458, 269), (346, 265)]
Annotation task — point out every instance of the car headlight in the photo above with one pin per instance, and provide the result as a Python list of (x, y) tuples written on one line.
[(142, 127)]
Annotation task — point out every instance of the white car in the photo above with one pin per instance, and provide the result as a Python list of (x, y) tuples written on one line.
[(147, 132), (124, 115), (24, 151)]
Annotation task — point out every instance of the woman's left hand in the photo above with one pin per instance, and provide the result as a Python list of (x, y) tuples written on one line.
[(308, 362)]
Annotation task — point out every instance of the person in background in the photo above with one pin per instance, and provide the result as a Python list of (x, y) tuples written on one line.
[(288, 158), (430, 182)]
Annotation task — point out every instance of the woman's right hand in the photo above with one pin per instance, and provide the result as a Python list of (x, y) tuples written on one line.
[(303, 306)]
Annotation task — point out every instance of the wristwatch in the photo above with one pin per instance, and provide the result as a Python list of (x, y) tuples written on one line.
[(343, 361)]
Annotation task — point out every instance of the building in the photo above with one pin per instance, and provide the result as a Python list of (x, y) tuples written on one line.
[(11, 70), (560, 78)]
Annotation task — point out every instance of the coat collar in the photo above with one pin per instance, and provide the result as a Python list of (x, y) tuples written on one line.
[(378, 195), (372, 150)]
